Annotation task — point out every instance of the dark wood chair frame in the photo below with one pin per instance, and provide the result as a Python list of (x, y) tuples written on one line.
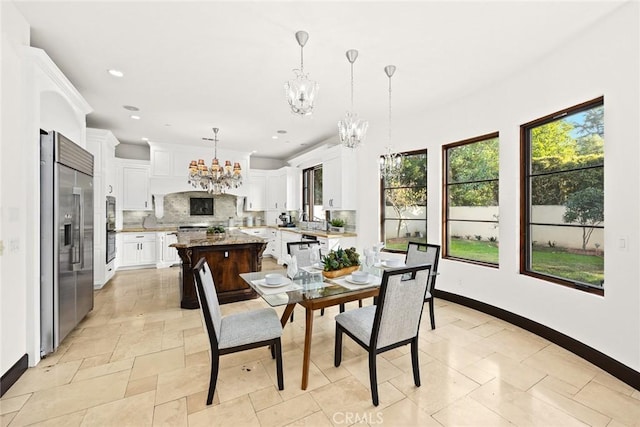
[(434, 272), (275, 344), (371, 346)]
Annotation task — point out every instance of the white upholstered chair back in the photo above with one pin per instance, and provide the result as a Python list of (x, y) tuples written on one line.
[(302, 252), (400, 306)]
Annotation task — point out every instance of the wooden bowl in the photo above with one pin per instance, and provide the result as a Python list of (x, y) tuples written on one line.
[(338, 273)]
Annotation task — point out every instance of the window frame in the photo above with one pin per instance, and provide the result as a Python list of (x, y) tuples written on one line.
[(445, 198), (424, 152), (308, 191), (525, 194)]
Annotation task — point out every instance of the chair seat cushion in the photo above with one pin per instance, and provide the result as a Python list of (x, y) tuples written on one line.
[(359, 322), (249, 327)]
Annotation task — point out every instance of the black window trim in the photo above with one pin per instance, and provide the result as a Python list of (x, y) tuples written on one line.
[(525, 190), (445, 199), (382, 198)]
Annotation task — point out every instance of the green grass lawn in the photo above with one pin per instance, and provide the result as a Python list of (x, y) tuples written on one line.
[(477, 250), (553, 261)]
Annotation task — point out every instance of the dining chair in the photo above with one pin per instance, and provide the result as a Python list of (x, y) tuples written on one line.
[(235, 332), (425, 253), (393, 322), (302, 252)]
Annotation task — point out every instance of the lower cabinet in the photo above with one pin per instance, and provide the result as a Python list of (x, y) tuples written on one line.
[(167, 256), (138, 249)]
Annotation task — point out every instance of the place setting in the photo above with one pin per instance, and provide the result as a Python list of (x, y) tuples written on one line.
[(275, 283), (357, 280)]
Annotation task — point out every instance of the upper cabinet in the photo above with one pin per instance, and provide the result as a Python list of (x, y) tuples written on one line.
[(339, 172), (256, 198), (134, 185), (283, 189)]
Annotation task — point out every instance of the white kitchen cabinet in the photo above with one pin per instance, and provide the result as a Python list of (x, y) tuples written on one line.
[(138, 249), (276, 190), (269, 234), (332, 243), (167, 256), (101, 143), (135, 187), (286, 237), (256, 199), (339, 172), (284, 189)]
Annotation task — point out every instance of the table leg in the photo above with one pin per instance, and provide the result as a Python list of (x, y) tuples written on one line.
[(307, 348), (287, 313)]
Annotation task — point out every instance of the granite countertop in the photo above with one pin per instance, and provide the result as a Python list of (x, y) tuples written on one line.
[(232, 237), (318, 233)]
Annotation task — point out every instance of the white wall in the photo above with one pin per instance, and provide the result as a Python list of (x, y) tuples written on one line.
[(35, 95), (13, 204), (601, 61)]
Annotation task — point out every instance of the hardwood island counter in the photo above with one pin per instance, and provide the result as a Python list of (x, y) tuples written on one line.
[(228, 257)]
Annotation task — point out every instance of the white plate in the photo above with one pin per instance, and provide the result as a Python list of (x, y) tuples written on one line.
[(349, 279), (384, 264), (284, 282)]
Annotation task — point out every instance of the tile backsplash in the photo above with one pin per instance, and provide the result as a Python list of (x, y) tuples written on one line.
[(177, 211)]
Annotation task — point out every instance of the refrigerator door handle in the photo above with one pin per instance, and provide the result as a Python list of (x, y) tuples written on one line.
[(78, 250)]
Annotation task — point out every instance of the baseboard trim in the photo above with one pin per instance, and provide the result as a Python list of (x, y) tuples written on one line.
[(590, 354), (11, 376)]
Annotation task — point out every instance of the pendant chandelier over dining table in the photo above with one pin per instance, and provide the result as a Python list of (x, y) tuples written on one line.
[(216, 179), (351, 129), (390, 162), (301, 92)]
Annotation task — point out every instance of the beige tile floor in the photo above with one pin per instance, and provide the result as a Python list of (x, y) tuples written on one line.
[(139, 360)]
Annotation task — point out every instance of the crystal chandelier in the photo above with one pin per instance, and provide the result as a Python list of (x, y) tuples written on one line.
[(216, 179), (301, 92), (351, 129), (390, 163)]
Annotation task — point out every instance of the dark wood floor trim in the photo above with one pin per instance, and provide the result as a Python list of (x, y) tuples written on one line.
[(590, 354), (11, 376)]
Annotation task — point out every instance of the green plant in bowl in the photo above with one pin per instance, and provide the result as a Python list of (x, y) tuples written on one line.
[(337, 222), (215, 229), (341, 258)]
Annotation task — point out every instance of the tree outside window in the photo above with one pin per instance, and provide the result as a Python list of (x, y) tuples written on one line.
[(563, 204), (404, 203), (471, 193)]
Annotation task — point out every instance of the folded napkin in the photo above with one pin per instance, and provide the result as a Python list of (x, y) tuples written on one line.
[(270, 290), (375, 281)]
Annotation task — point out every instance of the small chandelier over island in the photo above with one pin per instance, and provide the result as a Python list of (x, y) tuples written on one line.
[(216, 179)]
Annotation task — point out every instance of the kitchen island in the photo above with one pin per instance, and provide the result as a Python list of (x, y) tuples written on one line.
[(227, 257)]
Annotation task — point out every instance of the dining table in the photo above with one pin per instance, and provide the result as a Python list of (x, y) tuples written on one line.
[(310, 289)]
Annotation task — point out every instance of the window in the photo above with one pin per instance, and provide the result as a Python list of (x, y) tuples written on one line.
[(471, 200), (562, 215), (403, 213), (312, 192)]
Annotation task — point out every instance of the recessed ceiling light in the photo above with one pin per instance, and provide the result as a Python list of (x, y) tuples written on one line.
[(274, 137), (115, 73), (167, 124), (134, 117), (144, 138), (130, 108), (282, 131)]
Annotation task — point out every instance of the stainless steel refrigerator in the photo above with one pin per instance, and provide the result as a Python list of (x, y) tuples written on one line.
[(66, 238)]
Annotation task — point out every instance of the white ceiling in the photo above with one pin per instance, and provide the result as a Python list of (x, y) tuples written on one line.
[(191, 66)]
